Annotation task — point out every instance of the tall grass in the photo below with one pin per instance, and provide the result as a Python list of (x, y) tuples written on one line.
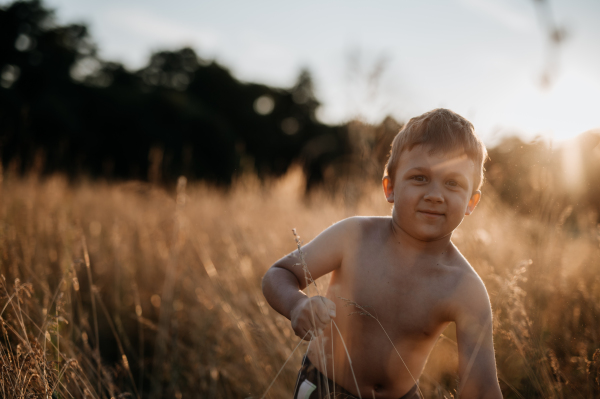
[(126, 290)]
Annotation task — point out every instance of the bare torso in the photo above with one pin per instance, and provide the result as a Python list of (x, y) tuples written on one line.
[(410, 295)]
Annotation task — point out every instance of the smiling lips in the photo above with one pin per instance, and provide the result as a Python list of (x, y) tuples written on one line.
[(431, 214)]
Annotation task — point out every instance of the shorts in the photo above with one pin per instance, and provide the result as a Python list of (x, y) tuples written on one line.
[(312, 384)]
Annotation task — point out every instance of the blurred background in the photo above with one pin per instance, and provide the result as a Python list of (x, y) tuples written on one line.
[(149, 90), (155, 155)]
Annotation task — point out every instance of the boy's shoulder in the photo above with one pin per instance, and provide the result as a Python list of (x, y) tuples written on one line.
[(469, 294), (457, 260), (461, 267), (359, 227)]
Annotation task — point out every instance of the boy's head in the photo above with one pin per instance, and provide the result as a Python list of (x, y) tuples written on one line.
[(442, 131)]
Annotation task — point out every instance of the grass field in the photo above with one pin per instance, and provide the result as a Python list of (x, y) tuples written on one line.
[(118, 290)]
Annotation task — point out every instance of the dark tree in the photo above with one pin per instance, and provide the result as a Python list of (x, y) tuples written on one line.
[(64, 109)]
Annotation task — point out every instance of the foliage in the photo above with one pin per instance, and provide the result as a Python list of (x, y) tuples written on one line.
[(65, 109), (544, 181)]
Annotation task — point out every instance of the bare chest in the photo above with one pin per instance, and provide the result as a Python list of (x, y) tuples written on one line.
[(408, 298)]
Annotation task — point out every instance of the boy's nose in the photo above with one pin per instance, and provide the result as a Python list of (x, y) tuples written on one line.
[(434, 195)]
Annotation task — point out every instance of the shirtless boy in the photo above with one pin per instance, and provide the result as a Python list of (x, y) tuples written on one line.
[(403, 269)]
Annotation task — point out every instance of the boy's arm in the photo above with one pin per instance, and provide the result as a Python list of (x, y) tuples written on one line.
[(476, 360), (283, 282)]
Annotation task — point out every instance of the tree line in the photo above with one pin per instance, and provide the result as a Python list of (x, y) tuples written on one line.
[(64, 109)]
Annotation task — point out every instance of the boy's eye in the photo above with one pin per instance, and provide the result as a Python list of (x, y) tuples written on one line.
[(420, 178), (455, 184)]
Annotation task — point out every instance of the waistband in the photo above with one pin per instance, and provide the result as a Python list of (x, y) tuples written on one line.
[(308, 372)]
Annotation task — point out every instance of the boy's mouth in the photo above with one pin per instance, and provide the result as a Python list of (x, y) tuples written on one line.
[(430, 214)]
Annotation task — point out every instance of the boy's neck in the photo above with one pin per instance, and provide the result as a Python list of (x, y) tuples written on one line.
[(409, 242)]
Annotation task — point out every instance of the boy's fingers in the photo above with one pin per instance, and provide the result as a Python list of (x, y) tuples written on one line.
[(331, 306), (329, 309), (321, 312), (306, 335), (322, 315)]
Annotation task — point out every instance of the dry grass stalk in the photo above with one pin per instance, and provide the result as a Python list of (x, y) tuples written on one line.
[(221, 338)]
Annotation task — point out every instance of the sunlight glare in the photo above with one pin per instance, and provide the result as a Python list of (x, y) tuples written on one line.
[(561, 113), (573, 168)]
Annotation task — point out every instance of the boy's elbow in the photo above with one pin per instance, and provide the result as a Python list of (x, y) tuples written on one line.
[(265, 280), (269, 278), (277, 277)]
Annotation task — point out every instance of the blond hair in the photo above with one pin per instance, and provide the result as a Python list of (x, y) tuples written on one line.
[(443, 131)]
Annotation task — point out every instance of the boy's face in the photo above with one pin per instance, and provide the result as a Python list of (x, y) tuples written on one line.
[(431, 193)]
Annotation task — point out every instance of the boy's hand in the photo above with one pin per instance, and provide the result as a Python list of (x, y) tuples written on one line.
[(312, 314)]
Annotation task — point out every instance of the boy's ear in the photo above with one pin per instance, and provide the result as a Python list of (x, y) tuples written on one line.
[(473, 202), (388, 189)]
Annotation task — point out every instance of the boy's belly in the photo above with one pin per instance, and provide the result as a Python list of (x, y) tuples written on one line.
[(376, 365), (377, 370)]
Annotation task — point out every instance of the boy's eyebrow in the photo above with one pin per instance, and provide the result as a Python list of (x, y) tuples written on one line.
[(457, 173), (419, 168), (459, 176), (429, 170)]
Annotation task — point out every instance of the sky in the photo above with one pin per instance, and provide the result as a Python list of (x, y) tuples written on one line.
[(481, 58)]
